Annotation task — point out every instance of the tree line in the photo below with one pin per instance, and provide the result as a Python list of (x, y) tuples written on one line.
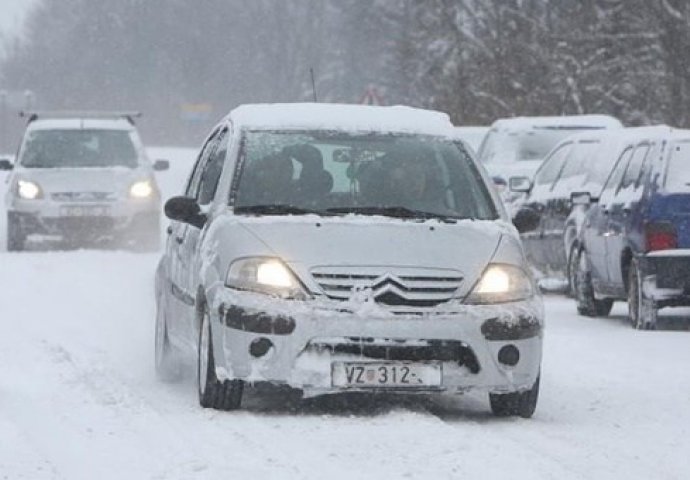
[(185, 64)]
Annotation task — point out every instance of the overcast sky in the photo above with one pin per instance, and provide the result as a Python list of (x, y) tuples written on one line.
[(12, 13)]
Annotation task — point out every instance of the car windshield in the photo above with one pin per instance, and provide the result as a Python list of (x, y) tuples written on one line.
[(407, 176), (502, 146), (62, 148)]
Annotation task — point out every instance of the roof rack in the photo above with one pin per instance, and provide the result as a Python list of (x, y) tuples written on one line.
[(33, 116)]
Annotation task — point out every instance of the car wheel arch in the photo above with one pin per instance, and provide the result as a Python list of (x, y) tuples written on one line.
[(626, 261)]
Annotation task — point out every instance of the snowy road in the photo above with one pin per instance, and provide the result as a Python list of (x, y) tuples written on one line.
[(79, 400)]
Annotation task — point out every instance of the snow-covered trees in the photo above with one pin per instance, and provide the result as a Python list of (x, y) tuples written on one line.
[(476, 59)]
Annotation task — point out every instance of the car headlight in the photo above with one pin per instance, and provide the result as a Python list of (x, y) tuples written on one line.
[(28, 190), (502, 283), (141, 189), (264, 275)]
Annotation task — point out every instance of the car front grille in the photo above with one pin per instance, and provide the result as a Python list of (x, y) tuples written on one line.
[(83, 196), (393, 287), (398, 350)]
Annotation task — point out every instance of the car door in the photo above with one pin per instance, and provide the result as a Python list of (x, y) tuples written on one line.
[(569, 180), (596, 228), (620, 214), (538, 200), (183, 300), (204, 193)]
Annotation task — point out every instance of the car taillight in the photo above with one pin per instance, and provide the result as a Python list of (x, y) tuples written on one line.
[(660, 236)]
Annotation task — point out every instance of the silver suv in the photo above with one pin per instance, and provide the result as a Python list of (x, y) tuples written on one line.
[(83, 177), (337, 248)]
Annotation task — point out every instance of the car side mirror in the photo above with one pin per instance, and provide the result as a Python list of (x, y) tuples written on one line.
[(582, 198), (185, 210), (161, 165), (5, 165), (519, 184), (526, 219)]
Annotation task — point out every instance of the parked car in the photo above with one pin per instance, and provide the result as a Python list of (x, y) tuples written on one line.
[(517, 146), (581, 163), (472, 135), (336, 248), (83, 177), (636, 236)]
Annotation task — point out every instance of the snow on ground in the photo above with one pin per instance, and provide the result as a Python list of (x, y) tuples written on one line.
[(79, 399)]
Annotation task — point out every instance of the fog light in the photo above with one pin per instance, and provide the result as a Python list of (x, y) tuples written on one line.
[(260, 347), (509, 355)]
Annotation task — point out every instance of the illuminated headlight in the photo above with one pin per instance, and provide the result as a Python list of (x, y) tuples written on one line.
[(264, 275), (28, 190), (502, 283), (142, 189)]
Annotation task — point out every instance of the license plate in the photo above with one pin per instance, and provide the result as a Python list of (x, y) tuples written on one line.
[(84, 211), (388, 374)]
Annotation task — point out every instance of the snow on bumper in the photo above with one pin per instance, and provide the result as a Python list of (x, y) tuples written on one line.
[(666, 276), (297, 343)]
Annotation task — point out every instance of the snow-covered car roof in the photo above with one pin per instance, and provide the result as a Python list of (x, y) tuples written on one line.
[(564, 122), (340, 117), (80, 124)]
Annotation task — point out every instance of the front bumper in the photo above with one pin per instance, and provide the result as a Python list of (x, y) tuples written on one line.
[(85, 219), (307, 338), (666, 277)]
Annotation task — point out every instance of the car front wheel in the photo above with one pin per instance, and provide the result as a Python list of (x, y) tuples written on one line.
[(213, 393), (16, 237), (168, 368), (642, 310), (587, 304), (521, 404)]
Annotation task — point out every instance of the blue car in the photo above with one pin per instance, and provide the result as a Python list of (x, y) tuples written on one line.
[(635, 241)]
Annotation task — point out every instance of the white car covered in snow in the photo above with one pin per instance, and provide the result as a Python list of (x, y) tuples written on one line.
[(83, 177), (516, 147), (337, 248)]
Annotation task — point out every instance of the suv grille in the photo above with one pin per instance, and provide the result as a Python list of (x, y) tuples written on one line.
[(394, 287), (83, 196)]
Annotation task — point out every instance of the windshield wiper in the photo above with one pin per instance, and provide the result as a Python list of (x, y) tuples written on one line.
[(396, 212), (275, 209)]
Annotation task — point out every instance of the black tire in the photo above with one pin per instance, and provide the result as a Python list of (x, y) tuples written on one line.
[(587, 304), (571, 270), (16, 237), (522, 404), (167, 359), (225, 395), (642, 310)]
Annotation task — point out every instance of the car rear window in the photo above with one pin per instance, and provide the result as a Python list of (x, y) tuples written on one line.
[(678, 171), (63, 148)]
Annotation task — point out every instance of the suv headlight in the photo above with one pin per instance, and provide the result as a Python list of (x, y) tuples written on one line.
[(264, 275), (502, 283), (141, 189), (28, 190)]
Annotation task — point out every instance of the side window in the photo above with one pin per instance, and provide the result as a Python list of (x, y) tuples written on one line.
[(582, 153), (616, 175), (551, 167), (193, 181), (632, 173), (212, 169)]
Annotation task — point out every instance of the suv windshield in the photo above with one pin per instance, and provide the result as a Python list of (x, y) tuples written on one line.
[(406, 176), (78, 148)]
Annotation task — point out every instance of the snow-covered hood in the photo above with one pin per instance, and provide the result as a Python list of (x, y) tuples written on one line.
[(311, 242), (59, 180)]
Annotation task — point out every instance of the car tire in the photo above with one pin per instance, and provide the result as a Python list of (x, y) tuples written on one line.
[(571, 270), (167, 359), (587, 303), (515, 404), (642, 310), (213, 393), (16, 237)]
